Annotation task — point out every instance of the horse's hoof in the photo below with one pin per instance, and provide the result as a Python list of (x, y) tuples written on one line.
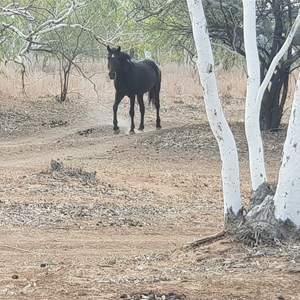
[(141, 129), (158, 127), (117, 131), (131, 132)]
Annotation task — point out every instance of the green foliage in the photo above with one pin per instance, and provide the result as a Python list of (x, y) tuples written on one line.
[(163, 29), (19, 30), (160, 26)]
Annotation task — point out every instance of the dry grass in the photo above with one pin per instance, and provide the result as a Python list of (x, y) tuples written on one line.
[(45, 81), (181, 85), (178, 81)]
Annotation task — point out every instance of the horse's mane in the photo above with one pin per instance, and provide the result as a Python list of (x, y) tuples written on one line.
[(124, 56)]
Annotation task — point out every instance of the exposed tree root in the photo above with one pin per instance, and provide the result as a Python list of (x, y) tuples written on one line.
[(267, 233), (259, 225), (208, 239)]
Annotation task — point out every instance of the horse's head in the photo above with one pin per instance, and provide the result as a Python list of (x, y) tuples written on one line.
[(113, 61), (116, 60)]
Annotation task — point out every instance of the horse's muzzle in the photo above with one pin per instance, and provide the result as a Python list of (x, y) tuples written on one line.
[(112, 75)]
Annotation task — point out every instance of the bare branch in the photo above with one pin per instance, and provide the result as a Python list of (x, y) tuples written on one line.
[(227, 49), (50, 24), (99, 39), (35, 35), (15, 29), (155, 12), (15, 10)]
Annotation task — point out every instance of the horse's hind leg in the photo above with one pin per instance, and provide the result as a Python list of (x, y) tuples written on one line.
[(142, 111), (131, 113), (157, 106)]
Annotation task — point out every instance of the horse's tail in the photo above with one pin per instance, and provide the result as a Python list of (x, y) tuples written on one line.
[(151, 97), (153, 94)]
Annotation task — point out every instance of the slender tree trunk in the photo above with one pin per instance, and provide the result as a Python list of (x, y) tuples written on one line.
[(286, 199), (64, 78), (252, 128), (275, 96), (273, 101), (270, 73), (217, 121)]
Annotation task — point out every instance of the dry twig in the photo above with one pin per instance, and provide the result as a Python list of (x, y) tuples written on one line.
[(208, 239)]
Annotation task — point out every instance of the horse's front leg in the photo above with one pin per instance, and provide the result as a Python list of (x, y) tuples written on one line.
[(118, 98), (142, 111), (131, 113)]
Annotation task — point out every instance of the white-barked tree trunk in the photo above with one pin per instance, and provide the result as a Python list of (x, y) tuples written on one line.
[(217, 121), (252, 111), (287, 197), (286, 201)]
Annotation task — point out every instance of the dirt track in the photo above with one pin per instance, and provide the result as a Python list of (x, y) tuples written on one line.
[(71, 233)]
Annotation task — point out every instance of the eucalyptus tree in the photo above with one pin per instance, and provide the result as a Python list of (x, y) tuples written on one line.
[(274, 20), (220, 128), (169, 27), (252, 129), (272, 216)]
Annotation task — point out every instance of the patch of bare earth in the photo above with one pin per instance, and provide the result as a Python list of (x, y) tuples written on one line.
[(86, 214)]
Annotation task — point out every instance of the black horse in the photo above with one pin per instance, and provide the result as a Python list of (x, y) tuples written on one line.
[(133, 79)]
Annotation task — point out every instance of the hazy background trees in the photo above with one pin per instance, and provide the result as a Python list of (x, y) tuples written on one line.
[(71, 31), (67, 31)]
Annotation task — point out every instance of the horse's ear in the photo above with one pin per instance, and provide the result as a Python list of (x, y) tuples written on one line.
[(119, 49), (108, 48)]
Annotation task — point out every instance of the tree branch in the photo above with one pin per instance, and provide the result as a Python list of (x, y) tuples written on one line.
[(154, 12), (15, 10)]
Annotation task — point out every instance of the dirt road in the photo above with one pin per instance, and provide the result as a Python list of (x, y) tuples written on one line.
[(113, 215)]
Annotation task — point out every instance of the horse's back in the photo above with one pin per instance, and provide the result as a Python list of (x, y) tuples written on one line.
[(147, 74), (138, 77), (155, 68), (150, 63)]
